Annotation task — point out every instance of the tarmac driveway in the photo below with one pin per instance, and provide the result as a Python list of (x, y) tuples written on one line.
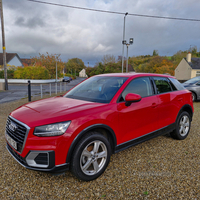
[(19, 91)]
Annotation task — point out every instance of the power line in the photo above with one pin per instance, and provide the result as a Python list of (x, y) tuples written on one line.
[(114, 12)]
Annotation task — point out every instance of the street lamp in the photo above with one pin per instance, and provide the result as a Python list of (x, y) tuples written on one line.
[(56, 57), (56, 71), (123, 42), (127, 44)]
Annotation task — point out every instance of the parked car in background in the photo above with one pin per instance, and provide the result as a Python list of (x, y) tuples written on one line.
[(102, 115), (67, 79), (193, 85)]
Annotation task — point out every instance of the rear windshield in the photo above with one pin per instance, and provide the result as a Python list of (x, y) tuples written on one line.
[(97, 89)]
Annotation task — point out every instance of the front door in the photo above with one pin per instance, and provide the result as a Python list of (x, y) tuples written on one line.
[(141, 117)]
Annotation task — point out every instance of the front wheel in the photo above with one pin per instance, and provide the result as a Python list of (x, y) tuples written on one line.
[(91, 157), (183, 124), (194, 98)]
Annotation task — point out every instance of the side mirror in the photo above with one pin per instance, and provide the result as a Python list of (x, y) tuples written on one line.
[(131, 98)]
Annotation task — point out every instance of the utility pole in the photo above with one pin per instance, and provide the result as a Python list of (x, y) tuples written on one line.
[(3, 47)]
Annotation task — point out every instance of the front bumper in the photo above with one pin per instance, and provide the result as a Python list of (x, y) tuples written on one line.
[(39, 160)]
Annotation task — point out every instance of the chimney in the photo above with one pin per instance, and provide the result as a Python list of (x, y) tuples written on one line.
[(188, 57)]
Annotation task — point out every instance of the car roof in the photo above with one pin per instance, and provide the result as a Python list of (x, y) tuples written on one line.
[(135, 74)]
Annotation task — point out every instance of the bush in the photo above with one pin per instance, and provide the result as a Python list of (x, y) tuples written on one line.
[(10, 73), (72, 76), (31, 72)]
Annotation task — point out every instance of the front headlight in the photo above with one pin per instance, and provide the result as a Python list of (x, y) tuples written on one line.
[(52, 129)]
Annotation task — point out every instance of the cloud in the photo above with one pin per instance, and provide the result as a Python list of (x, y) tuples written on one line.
[(32, 28), (31, 23)]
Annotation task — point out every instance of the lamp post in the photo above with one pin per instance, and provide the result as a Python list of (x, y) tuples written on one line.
[(56, 57), (127, 44), (123, 42), (56, 71)]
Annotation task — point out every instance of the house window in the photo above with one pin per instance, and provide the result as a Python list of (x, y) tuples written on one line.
[(197, 73)]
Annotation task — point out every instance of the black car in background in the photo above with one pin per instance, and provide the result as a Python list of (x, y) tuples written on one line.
[(193, 85), (67, 79)]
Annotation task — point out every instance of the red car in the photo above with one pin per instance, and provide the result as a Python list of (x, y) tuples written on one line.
[(101, 116)]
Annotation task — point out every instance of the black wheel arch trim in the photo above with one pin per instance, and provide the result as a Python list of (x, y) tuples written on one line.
[(185, 108), (85, 131)]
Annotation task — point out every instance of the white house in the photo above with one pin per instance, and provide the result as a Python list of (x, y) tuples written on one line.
[(82, 73), (188, 68), (12, 59)]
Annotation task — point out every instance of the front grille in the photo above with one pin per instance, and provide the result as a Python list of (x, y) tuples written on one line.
[(20, 159), (18, 133)]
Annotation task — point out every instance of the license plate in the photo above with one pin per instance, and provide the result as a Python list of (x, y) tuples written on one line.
[(11, 141)]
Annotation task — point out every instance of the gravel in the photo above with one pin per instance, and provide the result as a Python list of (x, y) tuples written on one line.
[(161, 168)]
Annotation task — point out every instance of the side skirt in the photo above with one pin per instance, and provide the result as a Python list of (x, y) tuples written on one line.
[(144, 138)]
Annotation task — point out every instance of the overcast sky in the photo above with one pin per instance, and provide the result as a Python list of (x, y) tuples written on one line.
[(32, 28)]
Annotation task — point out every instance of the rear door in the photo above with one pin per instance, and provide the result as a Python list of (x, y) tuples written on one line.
[(170, 100), (141, 117)]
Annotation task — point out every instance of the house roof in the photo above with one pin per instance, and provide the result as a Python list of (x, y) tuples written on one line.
[(195, 64), (9, 57)]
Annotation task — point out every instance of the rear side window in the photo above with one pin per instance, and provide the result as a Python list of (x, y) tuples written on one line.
[(141, 86), (162, 85), (176, 83)]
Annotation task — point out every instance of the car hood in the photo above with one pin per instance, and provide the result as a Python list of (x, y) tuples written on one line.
[(51, 110)]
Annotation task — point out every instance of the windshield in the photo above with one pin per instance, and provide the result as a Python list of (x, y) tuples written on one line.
[(193, 80), (97, 89)]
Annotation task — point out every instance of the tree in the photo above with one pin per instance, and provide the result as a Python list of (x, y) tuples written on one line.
[(157, 64), (177, 57), (108, 59), (155, 52), (49, 62), (74, 64)]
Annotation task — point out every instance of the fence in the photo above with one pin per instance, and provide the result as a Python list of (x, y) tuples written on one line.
[(44, 89)]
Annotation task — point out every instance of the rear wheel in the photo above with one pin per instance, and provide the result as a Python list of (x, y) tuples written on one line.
[(91, 157), (182, 126)]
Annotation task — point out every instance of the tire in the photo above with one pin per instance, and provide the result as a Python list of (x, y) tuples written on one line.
[(90, 157), (183, 124), (194, 97)]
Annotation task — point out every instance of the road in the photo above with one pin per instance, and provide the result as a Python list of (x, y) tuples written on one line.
[(19, 91)]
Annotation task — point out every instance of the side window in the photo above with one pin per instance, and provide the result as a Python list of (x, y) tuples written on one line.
[(162, 85), (141, 86)]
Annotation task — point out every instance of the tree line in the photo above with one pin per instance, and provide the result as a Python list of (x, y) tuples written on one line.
[(43, 66), (143, 63)]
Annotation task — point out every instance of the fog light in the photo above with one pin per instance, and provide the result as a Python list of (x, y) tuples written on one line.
[(42, 159), (38, 159)]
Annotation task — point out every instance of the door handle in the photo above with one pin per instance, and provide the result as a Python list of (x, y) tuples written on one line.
[(180, 99), (154, 105)]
